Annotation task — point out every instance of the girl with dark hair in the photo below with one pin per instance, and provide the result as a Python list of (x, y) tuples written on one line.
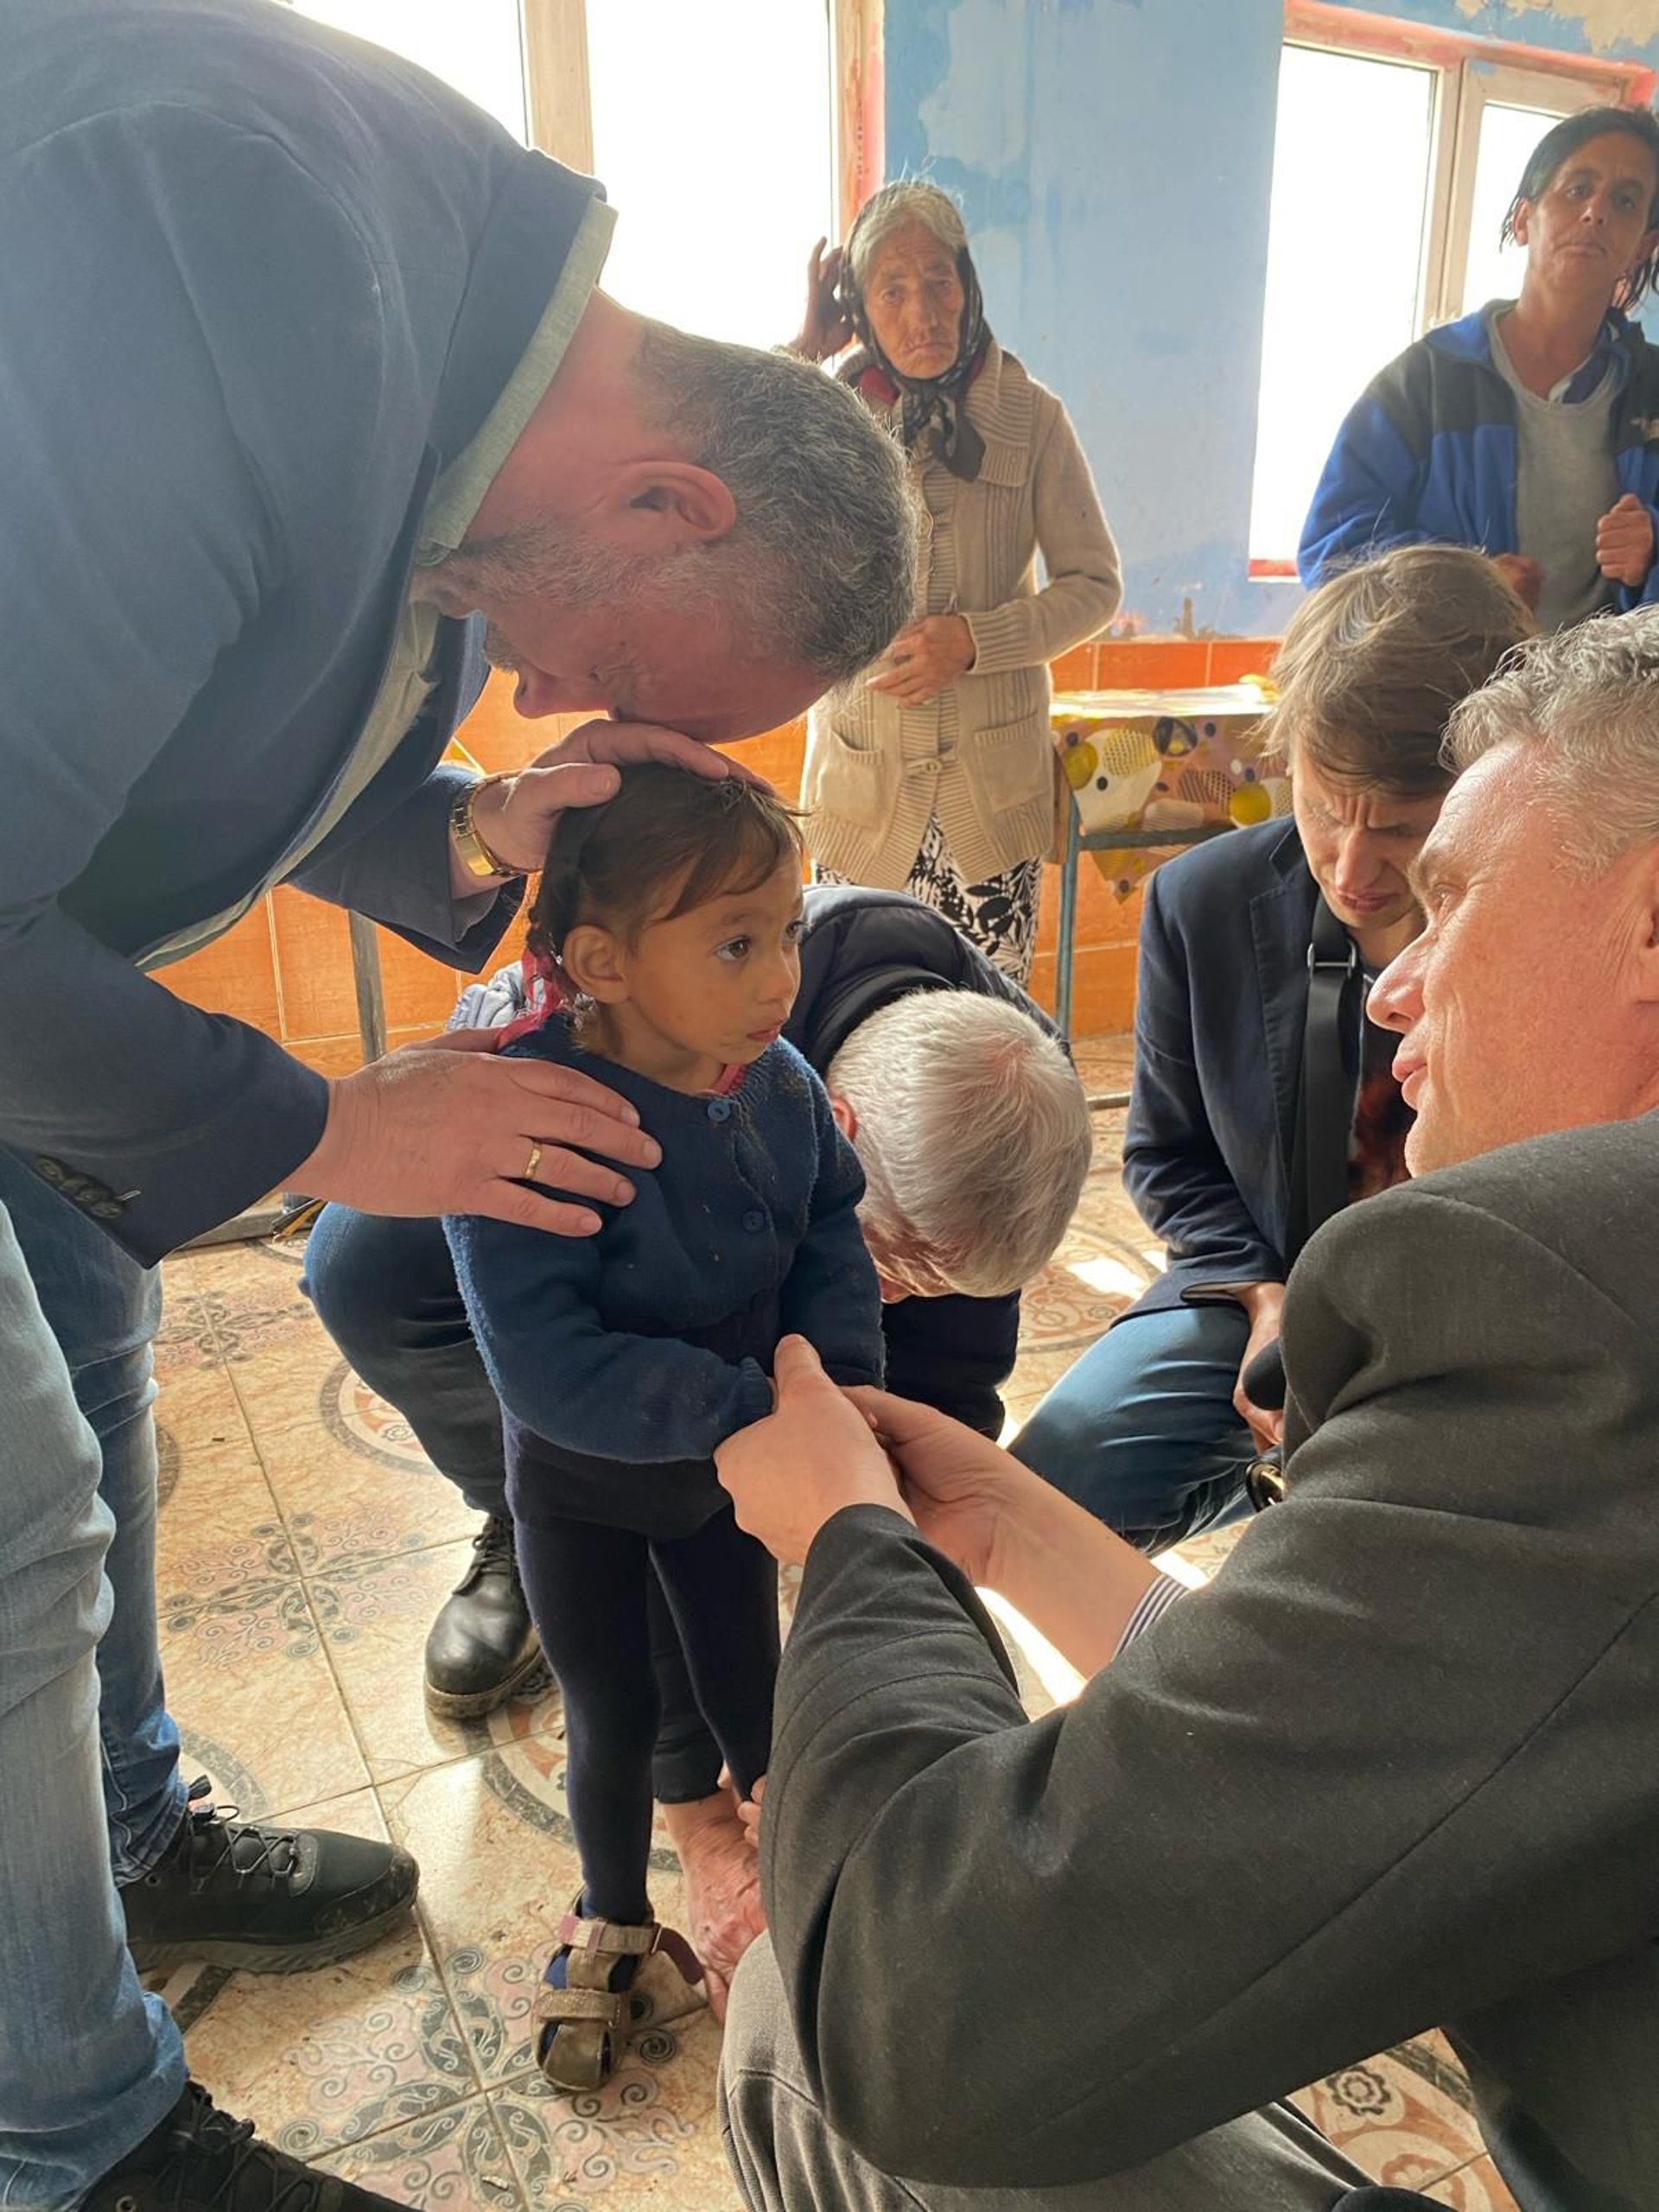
[(935, 774), (670, 917), (1526, 429)]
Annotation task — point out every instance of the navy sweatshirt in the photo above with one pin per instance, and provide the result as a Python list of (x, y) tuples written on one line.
[(621, 1360)]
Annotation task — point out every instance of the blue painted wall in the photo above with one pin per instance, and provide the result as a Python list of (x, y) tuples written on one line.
[(1115, 160)]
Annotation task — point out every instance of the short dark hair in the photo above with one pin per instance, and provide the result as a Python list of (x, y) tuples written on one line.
[(1374, 660), (669, 840), (1563, 140)]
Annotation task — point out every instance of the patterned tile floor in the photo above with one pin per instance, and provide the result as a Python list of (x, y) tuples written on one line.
[(305, 1545)]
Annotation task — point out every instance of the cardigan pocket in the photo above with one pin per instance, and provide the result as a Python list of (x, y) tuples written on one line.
[(1012, 765), (855, 783)]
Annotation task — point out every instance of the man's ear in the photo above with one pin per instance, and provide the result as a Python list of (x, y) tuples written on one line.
[(593, 959), (845, 1119), (1647, 941), (657, 506), (1521, 223)]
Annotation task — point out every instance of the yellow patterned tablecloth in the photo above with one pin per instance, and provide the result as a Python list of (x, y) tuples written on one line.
[(1143, 761)]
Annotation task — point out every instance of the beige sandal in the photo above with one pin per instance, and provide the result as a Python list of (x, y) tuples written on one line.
[(582, 2027)]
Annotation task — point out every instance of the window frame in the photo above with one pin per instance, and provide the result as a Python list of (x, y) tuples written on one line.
[(1470, 74)]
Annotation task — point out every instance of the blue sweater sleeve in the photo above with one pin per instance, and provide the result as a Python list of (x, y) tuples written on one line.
[(561, 1373), (1367, 497), (831, 1296), (1172, 1166)]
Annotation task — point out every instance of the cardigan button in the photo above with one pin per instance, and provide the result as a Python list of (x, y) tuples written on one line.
[(755, 1218), (720, 1110)]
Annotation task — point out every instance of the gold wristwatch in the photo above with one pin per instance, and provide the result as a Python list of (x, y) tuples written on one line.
[(476, 855)]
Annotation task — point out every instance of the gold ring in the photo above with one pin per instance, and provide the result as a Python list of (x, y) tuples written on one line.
[(528, 1175)]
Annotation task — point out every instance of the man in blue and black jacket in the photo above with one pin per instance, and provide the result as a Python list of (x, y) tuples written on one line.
[(1531, 428)]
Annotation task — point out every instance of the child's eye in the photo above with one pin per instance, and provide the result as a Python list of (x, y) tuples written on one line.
[(792, 934), (734, 948)]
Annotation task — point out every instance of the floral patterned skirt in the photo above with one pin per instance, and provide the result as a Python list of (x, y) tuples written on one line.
[(999, 915)]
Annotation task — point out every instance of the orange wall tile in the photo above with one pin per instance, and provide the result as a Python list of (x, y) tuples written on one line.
[(1231, 658), (1170, 663), (237, 974)]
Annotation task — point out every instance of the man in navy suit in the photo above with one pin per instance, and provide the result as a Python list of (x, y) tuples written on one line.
[(1152, 1429)]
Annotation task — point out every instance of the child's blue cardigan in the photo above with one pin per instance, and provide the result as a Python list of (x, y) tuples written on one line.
[(651, 1342)]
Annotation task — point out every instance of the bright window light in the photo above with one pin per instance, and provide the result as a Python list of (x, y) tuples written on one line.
[(475, 48), (712, 134), (1507, 135), (1350, 171)]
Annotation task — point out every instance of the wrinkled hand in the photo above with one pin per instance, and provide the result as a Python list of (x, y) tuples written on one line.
[(1267, 1423), (955, 1483), (724, 1912), (826, 327), (1624, 541), (515, 818), (788, 1473), (749, 1812), (1524, 575), (446, 1126), (925, 658)]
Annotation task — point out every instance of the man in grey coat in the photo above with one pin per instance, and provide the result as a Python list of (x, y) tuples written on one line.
[(1393, 1768)]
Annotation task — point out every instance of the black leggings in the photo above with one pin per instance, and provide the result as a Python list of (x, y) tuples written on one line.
[(588, 1587)]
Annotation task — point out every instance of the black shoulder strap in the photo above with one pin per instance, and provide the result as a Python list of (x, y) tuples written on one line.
[(1325, 1107)]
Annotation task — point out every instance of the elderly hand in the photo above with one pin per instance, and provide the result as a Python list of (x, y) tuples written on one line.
[(925, 658), (724, 1910), (790, 1473), (515, 817), (447, 1126), (1524, 576), (956, 1484), (1624, 541), (826, 326)]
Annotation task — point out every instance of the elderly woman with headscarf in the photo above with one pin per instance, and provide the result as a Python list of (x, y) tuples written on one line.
[(935, 772)]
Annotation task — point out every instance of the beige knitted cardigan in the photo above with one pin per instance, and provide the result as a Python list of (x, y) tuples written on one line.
[(979, 754)]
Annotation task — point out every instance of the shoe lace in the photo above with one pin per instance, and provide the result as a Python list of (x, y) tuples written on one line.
[(289, 2185), (216, 1838), (493, 1549)]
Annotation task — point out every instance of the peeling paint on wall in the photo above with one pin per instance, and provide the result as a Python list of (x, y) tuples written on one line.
[(1615, 29)]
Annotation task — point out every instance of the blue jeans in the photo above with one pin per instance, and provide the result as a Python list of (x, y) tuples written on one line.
[(1142, 1430), (88, 2062)]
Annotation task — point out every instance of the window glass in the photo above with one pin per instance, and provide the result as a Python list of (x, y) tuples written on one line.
[(1507, 135), (712, 134), (1351, 174)]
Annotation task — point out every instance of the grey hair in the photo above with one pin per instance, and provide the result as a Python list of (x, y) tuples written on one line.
[(1585, 705), (909, 200), (822, 563), (973, 1132)]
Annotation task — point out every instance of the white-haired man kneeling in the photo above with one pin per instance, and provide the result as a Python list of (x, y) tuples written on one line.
[(1393, 1768)]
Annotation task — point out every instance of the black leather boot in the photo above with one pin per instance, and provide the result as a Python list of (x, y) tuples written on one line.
[(482, 1646)]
